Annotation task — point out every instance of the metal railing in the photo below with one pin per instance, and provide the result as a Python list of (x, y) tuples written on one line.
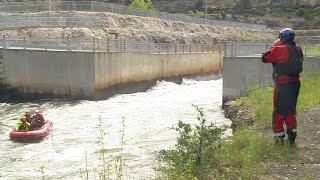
[(229, 48), (245, 48), (94, 6), (107, 45), (52, 21)]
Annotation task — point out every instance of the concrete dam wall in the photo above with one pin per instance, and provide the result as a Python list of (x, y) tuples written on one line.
[(96, 75)]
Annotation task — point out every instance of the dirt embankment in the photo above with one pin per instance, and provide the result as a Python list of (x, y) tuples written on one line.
[(305, 163), (142, 29)]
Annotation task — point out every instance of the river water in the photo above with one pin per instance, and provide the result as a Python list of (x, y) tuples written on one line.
[(144, 119)]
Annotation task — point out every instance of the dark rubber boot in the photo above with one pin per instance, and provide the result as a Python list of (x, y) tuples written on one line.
[(291, 137)]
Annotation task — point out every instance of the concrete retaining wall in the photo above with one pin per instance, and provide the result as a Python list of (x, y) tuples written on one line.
[(2, 76), (130, 72), (118, 68), (50, 72), (241, 72), (88, 75)]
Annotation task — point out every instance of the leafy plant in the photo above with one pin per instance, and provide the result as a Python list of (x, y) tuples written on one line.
[(104, 173), (119, 159), (142, 4), (105, 169), (41, 170), (194, 144)]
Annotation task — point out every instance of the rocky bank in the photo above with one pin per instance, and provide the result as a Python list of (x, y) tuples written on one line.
[(137, 28)]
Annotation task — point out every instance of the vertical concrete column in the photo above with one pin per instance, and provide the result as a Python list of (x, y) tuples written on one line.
[(93, 44), (175, 48), (69, 41), (24, 42), (108, 42), (182, 48), (4, 41)]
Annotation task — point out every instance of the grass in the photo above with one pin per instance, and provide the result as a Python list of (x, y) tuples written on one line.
[(309, 93), (248, 154), (260, 99), (313, 51)]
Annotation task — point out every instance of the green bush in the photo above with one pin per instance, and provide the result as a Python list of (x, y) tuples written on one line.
[(200, 153), (142, 4), (192, 153)]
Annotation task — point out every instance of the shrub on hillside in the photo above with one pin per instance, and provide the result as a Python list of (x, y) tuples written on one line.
[(142, 4)]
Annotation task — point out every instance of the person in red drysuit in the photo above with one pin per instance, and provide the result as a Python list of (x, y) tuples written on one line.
[(38, 119), (28, 116), (287, 59)]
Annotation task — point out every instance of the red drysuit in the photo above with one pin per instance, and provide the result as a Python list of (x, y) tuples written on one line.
[(287, 64)]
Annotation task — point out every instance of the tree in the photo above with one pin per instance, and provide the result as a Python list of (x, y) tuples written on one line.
[(142, 4), (150, 5)]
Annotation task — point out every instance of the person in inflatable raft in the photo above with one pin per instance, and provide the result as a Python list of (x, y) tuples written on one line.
[(23, 125), (38, 120), (28, 116)]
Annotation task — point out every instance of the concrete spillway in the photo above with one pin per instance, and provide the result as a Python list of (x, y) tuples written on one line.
[(93, 75)]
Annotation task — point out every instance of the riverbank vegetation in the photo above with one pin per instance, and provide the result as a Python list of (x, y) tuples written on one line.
[(202, 153), (248, 154)]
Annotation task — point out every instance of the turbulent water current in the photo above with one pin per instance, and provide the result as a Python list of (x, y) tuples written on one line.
[(135, 125)]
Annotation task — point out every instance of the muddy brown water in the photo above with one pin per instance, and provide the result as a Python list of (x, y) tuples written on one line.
[(73, 145)]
